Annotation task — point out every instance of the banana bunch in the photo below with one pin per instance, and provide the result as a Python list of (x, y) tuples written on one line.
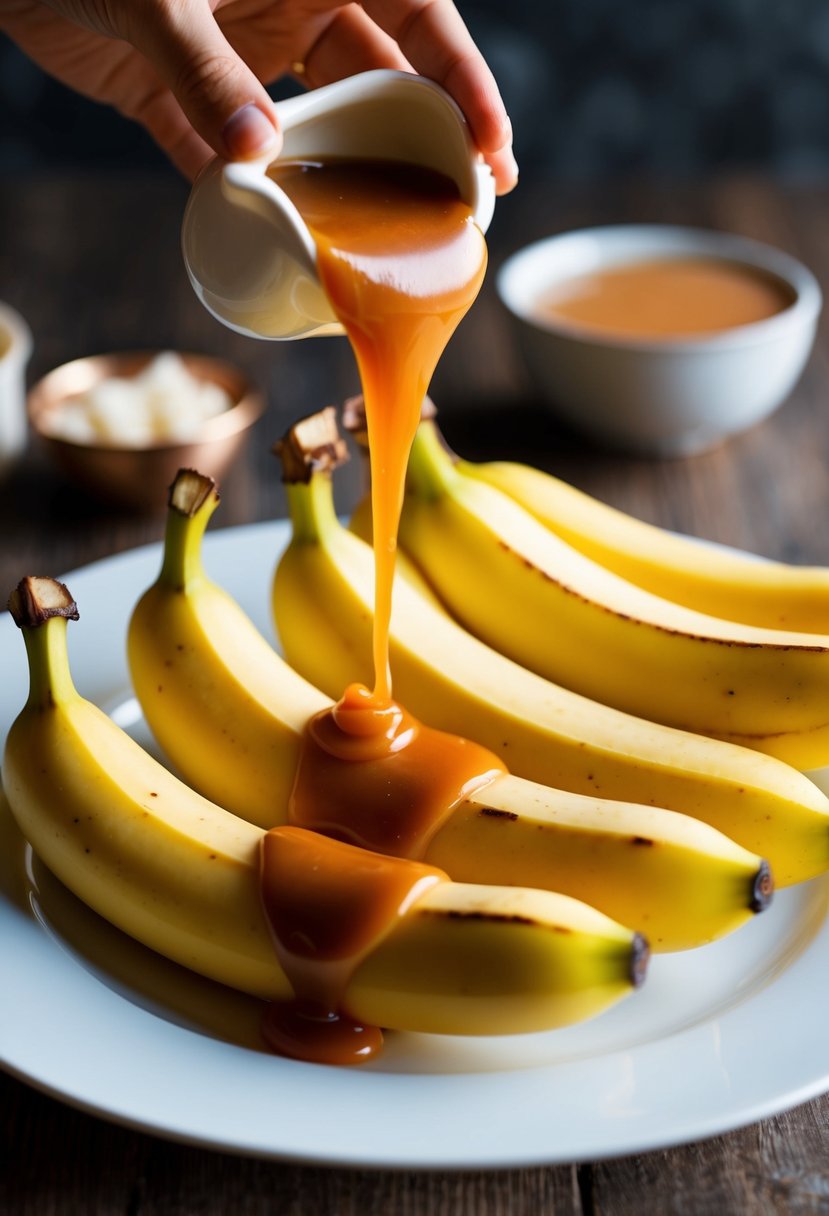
[(323, 604), (196, 658), (572, 620), (181, 875)]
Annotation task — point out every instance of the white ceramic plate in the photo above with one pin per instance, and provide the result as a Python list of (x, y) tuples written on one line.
[(717, 1038)]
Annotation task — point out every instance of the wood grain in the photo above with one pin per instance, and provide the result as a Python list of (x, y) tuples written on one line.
[(93, 263)]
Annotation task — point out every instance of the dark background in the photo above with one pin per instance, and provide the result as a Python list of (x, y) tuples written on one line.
[(596, 88)]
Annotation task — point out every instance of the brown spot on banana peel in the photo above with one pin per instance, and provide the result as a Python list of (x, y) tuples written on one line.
[(493, 812), (495, 918), (640, 950)]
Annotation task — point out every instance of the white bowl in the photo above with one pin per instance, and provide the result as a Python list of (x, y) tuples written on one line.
[(663, 398)]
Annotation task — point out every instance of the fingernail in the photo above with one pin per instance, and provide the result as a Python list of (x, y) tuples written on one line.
[(248, 133)]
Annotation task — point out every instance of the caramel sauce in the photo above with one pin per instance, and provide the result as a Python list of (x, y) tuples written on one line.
[(401, 262), (670, 298), (372, 775), (328, 905)]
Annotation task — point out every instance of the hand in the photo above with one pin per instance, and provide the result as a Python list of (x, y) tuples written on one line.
[(191, 71)]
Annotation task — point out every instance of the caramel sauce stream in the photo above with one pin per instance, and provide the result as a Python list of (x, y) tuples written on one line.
[(401, 261)]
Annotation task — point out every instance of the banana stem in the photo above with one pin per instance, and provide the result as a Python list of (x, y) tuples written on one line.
[(50, 680), (181, 567), (311, 506), (431, 469)]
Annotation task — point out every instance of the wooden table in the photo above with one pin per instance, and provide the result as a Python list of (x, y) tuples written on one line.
[(93, 263)]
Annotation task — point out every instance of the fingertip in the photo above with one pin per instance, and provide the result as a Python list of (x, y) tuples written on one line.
[(250, 132), (504, 170)]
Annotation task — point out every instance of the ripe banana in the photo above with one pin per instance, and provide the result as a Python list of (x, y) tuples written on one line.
[(708, 578), (567, 618), (182, 875), (224, 706), (720, 582), (322, 601), (679, 880), (197, 659)]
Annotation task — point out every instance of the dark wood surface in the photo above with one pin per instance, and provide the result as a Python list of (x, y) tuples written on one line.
[(94, 265)]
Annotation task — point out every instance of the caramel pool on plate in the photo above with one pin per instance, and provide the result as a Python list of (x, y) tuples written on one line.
[(667, 298)]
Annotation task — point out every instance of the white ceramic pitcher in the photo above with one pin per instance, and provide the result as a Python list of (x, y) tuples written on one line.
[(250, 256)]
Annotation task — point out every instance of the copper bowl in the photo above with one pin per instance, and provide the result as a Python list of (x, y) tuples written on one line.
[(139, 477)]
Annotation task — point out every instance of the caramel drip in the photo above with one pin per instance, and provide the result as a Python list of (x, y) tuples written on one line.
[(401, 261), (328, 906), (371, 774)]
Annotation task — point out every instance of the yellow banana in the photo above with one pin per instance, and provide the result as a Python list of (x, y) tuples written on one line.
[(567, 618), (182, 875), (323, 597), (224, 706), (679, 880), (198, 660), (711, 579), (720, 582)]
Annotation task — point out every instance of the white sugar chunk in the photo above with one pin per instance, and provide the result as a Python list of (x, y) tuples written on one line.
[(176, 417), (117, 412), (164, 402), (71, 422), (213, 400)]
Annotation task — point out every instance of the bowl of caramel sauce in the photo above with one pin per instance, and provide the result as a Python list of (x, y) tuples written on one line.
[(661, 340)]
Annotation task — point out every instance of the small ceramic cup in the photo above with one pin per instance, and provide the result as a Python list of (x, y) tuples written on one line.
[(15, 349), (658, 397)]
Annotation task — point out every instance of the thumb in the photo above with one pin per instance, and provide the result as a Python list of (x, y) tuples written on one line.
[(219, 94)]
